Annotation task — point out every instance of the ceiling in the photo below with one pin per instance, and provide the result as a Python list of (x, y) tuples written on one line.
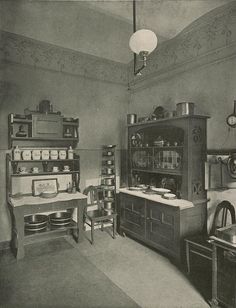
[(99, 27), (166, 17)]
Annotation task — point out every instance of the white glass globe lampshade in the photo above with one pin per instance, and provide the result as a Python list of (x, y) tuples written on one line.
[(143, 41)]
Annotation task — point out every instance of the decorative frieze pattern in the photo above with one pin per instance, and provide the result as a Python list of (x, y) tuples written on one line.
[(199, 44), (19, 49)]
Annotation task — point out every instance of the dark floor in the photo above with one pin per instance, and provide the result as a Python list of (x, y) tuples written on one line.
[(110, 273)]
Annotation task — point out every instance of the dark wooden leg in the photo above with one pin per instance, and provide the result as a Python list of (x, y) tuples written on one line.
[(188, 257), (214, 301), (80, 221), (114, 227), (19, 223), (92, 231), (101, 225)]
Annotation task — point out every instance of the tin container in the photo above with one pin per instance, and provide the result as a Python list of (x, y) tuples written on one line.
[(26, 155), (54, 154), (36, 154), (131, 118), (45, 154), (184, 109), (62, 154)]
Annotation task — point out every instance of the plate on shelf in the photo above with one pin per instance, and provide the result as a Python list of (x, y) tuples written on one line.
[(143, 186), (68, 119), (48, 194), (160, 191), (135, 188), (169, 196), (109, 146)]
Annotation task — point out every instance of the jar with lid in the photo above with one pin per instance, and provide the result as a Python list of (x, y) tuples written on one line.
[(26, 155), (70, 153), (36, 154), (17, 153), (62, 154), (45, 154), (54, 154)]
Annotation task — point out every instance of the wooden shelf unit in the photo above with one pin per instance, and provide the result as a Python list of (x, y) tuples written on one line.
[(159, 225)]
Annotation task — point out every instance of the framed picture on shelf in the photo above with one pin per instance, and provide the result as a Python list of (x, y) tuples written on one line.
[(44, 186)]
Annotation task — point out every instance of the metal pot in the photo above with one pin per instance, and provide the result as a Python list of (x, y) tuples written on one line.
[(109, 181), (35, 222), (109, 193), (60, 218), (109, 171), (131, 118), (108, 204), (184, 109), (109, 162)]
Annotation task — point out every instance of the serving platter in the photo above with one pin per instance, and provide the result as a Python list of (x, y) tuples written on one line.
[(135, 188), (169, 196), (160, 191)]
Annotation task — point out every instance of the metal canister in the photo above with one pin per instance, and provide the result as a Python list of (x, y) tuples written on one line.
[(131, 118), (184, 108)]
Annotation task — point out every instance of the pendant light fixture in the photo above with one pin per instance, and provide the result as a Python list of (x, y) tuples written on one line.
[(142, 43)]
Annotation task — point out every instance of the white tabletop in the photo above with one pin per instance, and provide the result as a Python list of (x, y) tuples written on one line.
[(181, 203), (30, 200)]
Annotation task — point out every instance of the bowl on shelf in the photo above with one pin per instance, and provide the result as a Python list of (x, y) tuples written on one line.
[(35, 222), (60, 219)]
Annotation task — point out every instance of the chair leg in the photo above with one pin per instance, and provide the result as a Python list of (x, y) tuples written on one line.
[(92, 231), (188, 257), (114, 227), (101, 225)]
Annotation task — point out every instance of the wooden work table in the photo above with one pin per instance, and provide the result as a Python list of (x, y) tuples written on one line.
[(28, 205)]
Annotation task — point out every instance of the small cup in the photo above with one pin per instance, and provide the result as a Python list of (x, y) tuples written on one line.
[(22, 169), (66, 168), (35, 170), (55, 169)]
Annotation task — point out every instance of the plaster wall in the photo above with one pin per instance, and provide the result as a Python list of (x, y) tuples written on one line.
[(98, 100), (197, 66)]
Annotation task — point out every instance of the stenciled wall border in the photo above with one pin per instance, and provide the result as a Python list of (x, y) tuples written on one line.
[(210, 39), (26, 51)]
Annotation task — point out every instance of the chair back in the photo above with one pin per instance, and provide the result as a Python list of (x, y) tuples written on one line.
[(93, 196), (224, 207)]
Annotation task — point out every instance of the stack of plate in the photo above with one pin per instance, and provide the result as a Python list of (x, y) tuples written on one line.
[(36, 223), (60, 219)]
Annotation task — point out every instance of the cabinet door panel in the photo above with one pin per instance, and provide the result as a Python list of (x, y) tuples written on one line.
[(133, 204), (168, 219), (161, 225), (134, 223), (155, 213), (160, 234), (132, 214)]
